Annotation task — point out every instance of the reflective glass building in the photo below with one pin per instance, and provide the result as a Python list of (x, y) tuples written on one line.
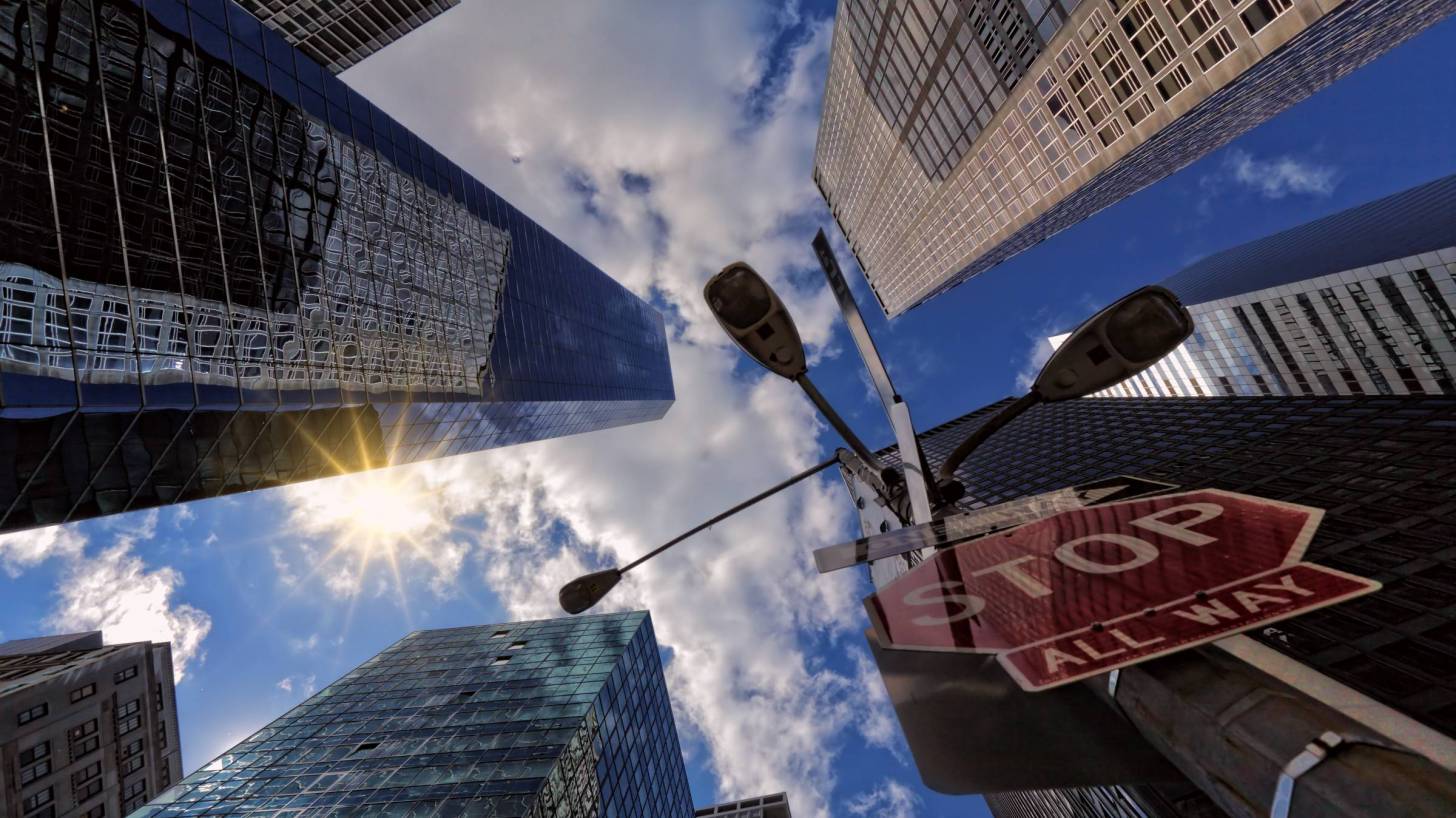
[(224, 269), (560, 718), (1362, 302), (1382, 467), (955, 135)]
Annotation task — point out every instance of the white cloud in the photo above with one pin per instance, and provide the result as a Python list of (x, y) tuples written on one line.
[(115, 592), (660, 91), (889, 800), (112, 590), (306, 685), (1280, 176), (26, 549), (305, 645)]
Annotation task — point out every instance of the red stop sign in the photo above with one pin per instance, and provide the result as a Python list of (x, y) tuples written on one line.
[(1091, 568)]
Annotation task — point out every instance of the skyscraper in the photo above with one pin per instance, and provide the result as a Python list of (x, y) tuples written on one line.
[(939, 161), (223, 269), (766, 806), (1362, 302), (339, 34), (562, 717), (1381, 467), (86, 730)]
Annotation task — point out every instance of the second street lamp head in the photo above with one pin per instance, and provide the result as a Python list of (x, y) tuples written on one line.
[(1132, 334), (754, 317), (583, 592)]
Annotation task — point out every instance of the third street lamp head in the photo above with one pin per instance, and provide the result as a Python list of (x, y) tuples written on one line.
[(1121, 340), (754, 317), (1132, 334)]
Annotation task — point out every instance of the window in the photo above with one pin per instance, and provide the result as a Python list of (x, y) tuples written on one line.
[(1262, 12), (83, 738), (90, 789), (123, 675), (98, 811), (1220, 45), (83, 692), (518, 645), (132, 749), (35, 753), (128, 725), (128, 709), (85, 774), (45, 796), (29, 774), (1175, 81), (134, 795), (84, 747), (365, 747), (133, 764), (1139, 110), (161, 734), (37, 712), (500, 660)]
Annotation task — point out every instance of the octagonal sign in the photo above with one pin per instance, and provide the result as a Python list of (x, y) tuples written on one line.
[(1084, 591)]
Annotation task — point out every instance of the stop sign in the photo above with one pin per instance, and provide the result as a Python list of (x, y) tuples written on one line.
[(1083, 591)]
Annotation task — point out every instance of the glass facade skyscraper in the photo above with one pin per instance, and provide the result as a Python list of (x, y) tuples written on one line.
[(956, 135), (559, 718), (224, 269), (1382, 467), (1362, 302)]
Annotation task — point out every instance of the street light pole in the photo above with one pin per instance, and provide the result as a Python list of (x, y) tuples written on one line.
[(837, 422), (586, 591)]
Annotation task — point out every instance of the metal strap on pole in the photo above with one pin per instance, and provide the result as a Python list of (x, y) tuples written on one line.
[(1313, 754)]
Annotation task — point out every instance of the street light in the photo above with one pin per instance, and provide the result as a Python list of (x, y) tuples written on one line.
[(754, 317), (1123, 339), (585, 591)]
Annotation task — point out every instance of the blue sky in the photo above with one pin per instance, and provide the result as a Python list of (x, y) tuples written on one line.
[(664, 142)]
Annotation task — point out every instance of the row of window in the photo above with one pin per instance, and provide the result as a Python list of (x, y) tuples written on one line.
[(85, 691)]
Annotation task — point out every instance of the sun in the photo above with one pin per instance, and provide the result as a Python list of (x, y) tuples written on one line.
[(384, 507)]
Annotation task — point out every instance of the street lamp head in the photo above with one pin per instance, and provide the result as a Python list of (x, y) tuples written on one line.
[(754, 317), (1132, 334), (585, 591)]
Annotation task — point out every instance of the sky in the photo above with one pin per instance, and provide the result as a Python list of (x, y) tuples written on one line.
[(664, 141)]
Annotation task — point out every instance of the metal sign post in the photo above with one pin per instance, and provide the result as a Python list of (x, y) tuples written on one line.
[(917, 471)]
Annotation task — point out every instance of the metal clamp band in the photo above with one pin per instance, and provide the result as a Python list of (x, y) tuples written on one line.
[(1314, 753)]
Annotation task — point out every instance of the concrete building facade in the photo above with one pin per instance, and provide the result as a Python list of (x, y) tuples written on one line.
[(86, 730), (340, 33), (765, 806), (1124, 93)]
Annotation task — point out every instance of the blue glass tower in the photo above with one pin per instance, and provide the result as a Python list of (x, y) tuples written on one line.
[(565, 718), (224, 269)]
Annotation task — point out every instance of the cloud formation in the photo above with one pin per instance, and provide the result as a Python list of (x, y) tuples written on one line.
[(112, 589), (890, 799), (1279, 176), (26, 549), (662, 142)]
